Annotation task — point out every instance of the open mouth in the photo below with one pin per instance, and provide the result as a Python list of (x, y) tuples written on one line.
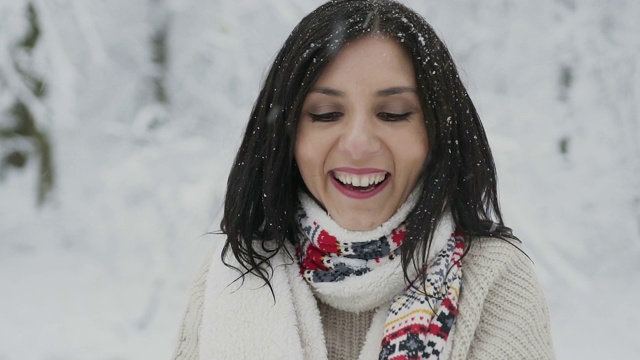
[(363, 183)]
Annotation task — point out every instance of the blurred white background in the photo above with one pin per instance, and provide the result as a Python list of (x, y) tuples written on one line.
[(119, 120)]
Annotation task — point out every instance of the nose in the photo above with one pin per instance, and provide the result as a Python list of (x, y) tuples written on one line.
[(360, 139)]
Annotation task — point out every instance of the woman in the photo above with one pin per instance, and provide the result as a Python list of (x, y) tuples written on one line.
[(361, 212)]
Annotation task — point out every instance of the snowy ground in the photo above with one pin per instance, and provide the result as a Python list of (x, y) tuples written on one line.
[(103, 269)]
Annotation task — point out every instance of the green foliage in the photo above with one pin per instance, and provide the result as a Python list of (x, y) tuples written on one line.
[(159, 46), (564, 145), (22, 124), (33, 35), (565, 81)]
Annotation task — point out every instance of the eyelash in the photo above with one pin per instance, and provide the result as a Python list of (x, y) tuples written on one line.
[(384, 116), (325, 117), (394, 117)]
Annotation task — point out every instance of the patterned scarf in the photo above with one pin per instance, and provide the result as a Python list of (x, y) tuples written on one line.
[(421, 317)]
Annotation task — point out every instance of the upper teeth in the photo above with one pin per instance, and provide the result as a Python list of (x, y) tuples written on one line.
[(359, 180)]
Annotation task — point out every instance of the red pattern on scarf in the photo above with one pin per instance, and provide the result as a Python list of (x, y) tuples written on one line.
[(397, 236)]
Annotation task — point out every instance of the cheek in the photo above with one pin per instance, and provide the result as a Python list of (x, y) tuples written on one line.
[(304, 156), (415, 162), (423, 143), (424, 155), (418, 153), (302, 163), (311, 149)]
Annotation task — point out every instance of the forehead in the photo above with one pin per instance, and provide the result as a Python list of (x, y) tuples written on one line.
[(373, 60)]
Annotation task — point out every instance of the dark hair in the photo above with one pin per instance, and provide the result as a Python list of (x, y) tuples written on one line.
[(459, 175)]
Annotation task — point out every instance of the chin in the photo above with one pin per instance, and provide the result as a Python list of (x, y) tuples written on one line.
[(358, 225)]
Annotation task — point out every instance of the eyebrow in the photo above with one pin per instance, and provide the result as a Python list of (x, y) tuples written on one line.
[(384, 92), (327, 91), (396, 90)]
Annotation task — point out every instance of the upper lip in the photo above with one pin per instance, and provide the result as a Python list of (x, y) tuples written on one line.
[(359, 171)]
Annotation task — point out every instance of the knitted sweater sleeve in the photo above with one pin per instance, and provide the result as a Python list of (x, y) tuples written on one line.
[(187, 345), (503, 311)]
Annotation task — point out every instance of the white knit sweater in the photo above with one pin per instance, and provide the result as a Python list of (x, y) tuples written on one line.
[(502, 312)]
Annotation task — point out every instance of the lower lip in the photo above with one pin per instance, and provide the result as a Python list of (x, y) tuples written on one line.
[(355, 194)]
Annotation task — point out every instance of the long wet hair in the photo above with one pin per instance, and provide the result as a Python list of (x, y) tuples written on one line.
[(459, 174)]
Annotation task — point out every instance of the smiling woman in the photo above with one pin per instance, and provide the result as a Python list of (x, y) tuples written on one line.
[(361, 140), (361, 213)]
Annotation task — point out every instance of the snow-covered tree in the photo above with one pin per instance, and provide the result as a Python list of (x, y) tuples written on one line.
[(23, 125)]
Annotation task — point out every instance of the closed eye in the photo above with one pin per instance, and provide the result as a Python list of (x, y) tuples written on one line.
[(386, 116), (326, 117)]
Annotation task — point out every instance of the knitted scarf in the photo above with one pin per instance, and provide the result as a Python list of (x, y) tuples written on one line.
[(357, 271)]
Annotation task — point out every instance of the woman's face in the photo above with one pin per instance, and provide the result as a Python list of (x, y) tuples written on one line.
[(362, 141)]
